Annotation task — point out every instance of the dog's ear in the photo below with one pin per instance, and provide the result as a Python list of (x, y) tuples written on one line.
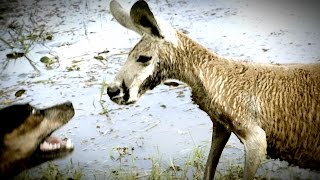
[(140, 20), (13, 116)]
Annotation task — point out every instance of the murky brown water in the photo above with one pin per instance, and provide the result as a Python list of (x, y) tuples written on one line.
[(164, 122)]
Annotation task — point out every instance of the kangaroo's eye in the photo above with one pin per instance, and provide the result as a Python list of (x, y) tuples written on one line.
[(144, 59)]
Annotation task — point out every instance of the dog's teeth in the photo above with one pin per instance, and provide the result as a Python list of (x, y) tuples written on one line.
[(44, 146), (50, 146), (69, 144), (47, 146)]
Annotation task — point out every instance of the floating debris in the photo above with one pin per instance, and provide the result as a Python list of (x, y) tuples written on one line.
[(99, 58), (171, 83), (45, 60), (20, 92), (49, 37), (49, 61), (163, 106), (180, 94), (73, 68), (15, 55), (104, 52)]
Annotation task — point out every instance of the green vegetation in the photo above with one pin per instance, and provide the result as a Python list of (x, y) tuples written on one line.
[(160, 169), (125, 167), (53, 172), (21, 38), (104, 86)]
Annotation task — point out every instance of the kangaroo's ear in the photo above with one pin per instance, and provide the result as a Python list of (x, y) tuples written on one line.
[(122, 16), (143, 19)]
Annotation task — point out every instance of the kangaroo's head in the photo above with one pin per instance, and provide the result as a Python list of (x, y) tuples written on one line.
[(143, 69)]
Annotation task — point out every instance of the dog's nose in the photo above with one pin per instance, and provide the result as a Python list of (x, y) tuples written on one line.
[(113, 91), (69, 104)]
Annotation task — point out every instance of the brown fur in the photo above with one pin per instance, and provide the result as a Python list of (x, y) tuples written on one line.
[(22, 131), (284, 100)]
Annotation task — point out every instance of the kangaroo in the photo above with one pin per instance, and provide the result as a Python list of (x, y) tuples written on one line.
[(272, 109)]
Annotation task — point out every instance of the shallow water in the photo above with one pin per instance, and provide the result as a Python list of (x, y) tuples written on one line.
[(164, 122)]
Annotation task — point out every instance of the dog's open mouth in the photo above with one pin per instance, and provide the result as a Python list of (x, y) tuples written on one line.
[(52, 148), (52, 143)]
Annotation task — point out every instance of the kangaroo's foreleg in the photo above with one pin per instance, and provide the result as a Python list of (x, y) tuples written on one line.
[(220, 136)]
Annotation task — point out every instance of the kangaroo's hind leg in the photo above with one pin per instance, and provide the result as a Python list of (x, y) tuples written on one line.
[(255, 145)]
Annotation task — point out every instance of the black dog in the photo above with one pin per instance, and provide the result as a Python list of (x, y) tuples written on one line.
[(24, 136)]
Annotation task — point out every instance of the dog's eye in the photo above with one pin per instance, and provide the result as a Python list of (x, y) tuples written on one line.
[(35, 111), (144, 59)]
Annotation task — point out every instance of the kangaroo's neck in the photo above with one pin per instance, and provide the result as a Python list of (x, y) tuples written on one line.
[(206, 73), (187, 61)]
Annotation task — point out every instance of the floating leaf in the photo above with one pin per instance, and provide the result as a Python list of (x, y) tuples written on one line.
[(45, 60), (20, 92), (98, 58), (163, 106), (73, 68), (49, 37)]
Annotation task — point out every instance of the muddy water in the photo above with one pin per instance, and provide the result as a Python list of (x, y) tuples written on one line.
[(164, 123)]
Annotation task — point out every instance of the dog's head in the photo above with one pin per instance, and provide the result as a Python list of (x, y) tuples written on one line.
[(25, 131)]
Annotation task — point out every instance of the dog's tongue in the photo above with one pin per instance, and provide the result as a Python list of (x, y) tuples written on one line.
[(53, 143)]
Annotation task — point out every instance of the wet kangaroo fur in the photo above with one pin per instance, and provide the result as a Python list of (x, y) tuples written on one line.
[(23, 131), (272, 109)]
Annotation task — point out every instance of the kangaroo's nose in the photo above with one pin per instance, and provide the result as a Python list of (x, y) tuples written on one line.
[(113, 91)]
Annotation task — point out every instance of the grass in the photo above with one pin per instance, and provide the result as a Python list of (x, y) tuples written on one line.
[(53, 172), (22, 38), (231, 172), (161, 169), (125, 168), (192, 168), (103, 88)]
